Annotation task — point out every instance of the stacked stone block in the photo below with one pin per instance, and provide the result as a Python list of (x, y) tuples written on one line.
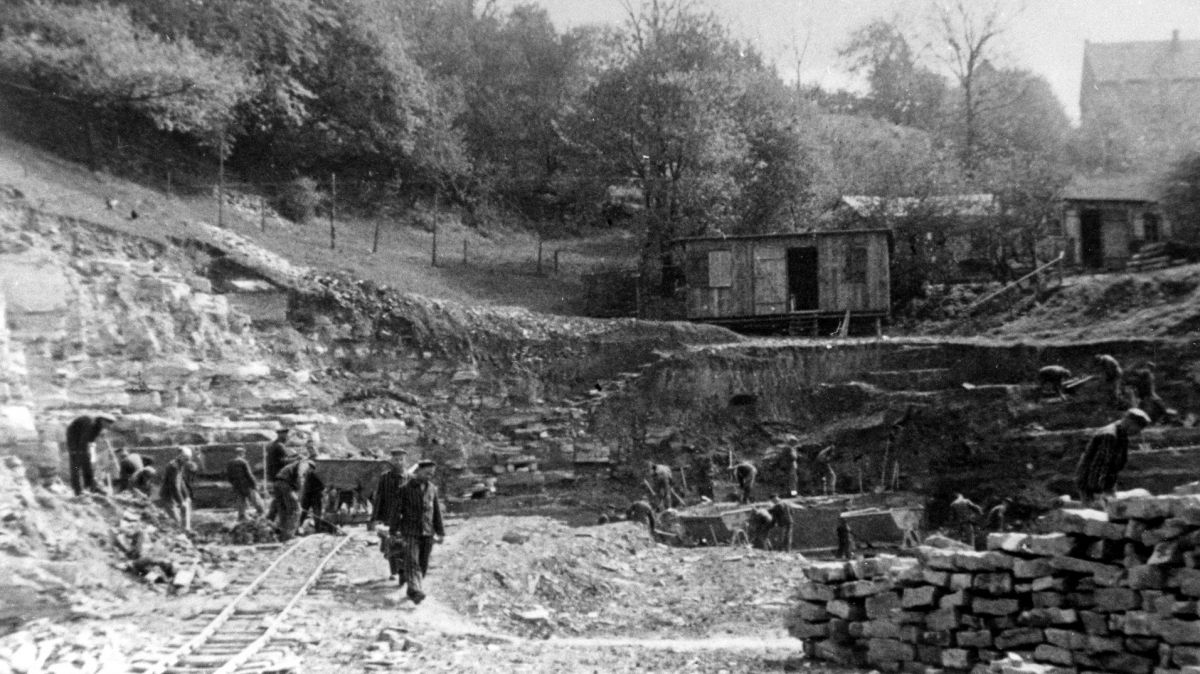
[(1114, 591)]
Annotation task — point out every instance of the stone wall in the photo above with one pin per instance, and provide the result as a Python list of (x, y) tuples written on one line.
[(1113, 590)]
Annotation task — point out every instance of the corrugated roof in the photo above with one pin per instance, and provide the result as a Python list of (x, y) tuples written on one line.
[(960, 205), (1126, 61), (1113, 187)]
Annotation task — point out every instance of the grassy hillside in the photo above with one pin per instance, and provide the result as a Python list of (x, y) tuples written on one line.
[(500, 268)]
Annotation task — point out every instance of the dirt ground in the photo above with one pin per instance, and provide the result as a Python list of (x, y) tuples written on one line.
[(524, 594)]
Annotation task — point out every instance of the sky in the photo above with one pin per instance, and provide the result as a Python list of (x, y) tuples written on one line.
[(1045, 36)]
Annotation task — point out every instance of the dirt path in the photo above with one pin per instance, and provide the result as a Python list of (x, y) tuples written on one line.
[(361, 621)]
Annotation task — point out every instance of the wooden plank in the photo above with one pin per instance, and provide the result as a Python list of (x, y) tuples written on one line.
[(770, 280)]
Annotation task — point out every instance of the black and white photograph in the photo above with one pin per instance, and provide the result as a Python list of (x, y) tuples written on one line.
[(600, 336)]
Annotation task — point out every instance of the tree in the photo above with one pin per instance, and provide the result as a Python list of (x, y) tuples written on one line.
[(96, 56), (1180, 197), (901, 90), (968, 30)]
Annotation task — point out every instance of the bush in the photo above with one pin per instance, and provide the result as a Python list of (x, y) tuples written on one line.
[(298, 200)]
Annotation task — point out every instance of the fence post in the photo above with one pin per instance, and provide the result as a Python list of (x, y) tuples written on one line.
[(169, 195), (556, 252), (539, 266), (221, 184), (464, 250), (262, 213), (332, 206), (375, 238)]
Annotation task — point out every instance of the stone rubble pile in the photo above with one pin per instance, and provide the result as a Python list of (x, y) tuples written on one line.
[(1115, 590), (64, 649)]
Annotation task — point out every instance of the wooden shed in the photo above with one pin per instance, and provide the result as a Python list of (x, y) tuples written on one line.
[(799, 283)]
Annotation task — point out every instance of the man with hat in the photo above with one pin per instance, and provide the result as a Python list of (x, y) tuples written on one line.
[(277, 456), (386, 500), (245, 487), (176, 490), (290, 483), (417, 519), (82, 434), (1106, 454)]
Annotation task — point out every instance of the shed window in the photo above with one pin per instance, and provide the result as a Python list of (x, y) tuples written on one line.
[(856, 264), (720, 269)]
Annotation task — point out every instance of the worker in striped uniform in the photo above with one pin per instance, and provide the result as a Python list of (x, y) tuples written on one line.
[(417, 520), (387, 497)]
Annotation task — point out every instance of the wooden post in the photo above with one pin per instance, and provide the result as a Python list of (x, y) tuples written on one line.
[(262, 213), (556, 252), (464, 250), (437, 201), (221, 185), (332, 206), (169, 184), (375, 239), (539, 264)]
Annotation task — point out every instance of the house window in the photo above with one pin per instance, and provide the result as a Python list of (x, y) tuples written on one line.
[(856, 264), (1151, 227), (720, 269)]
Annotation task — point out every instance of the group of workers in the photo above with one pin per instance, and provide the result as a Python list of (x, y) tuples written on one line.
[(407, 503), (1107, 449)]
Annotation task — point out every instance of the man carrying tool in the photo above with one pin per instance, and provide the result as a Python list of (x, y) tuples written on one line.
[(661, 487), (387, 499), (745, 474), (82, 434), (1055, 378), (418, 521), (133, 472), (245, 487), (781, 518)]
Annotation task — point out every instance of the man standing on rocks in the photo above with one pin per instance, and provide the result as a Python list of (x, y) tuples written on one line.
[(418, 521), (277, 456), (386, 500), (176, 490), (245, 487), (745, 474), (1106, 454), (966, 513), (82, 434), (289, 484)]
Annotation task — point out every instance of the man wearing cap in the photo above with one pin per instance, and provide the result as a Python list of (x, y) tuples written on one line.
[(417, 519), (82, 434), (277, 456), (1106, 454), (661, 478), (176, 490), (1113, 374), (386, 500), (289, 484), (245, 487)]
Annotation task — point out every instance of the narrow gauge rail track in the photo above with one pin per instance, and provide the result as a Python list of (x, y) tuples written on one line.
[(233, 641)]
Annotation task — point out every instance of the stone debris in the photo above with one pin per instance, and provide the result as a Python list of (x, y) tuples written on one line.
[(1114, 590), (60, 649)]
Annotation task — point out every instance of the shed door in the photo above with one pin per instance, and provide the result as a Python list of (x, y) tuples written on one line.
[(1091, 238), (770, 280), (802, 278)]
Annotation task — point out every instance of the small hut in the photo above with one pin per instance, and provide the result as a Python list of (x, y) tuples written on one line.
[(798, 283)]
